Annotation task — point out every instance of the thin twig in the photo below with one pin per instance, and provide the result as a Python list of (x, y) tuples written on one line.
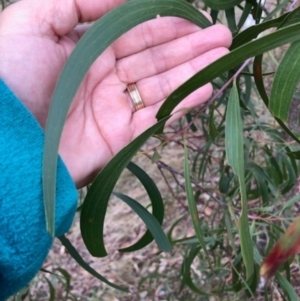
[(170, 188), (236, 74), (217, 95), (162, 165)]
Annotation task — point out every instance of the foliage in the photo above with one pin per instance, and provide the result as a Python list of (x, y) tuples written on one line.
[(245, 162)]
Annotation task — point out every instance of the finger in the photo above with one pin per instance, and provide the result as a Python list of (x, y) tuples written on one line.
[(157, 88), (56, 16), (153, 32), (145, 118), (156, 60), (81, 29)]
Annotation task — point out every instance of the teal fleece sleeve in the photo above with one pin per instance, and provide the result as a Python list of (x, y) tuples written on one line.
[(24, 241)]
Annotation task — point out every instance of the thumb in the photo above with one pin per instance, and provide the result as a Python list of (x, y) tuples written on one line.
[(54, 17)]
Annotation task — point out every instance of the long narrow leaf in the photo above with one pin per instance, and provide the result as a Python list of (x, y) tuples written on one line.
[(187, 278), (103, 33), (285, 81), (67, 285), (295, 155), (278, 8), (149, 220), (234, 134), (258, 78), (156, 203), (235, 157), (169, 234), (253, 31), (287, 288), (76, 256), (230, 16), (192, 204), (213, 132), (51, 290), (95, 204), (246, 12), (221, 4), (283, 36)]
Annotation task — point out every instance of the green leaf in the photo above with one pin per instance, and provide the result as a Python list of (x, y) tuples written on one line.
[(258, 78), (51, 290), (102, 33), (225, 180), (213, 132), (156, 203), (246, 12), (67, 285), (76, 256), (203, 162), (230, 231), (189, 120), (235, 157), (295, 155), (280, 37), (221, 4), (261, 183), (285, 81), (186, 271), (150, 221), (236, 273), (291, 18), (253, 31), (248, 88), (287, 288), (95, 204), (290, 203), (155, 157), (214, 15), (230, 16), (284, 20), (278, 9), (169, 234), (291, 170), (234, 134), (192, 203), (261, 173)]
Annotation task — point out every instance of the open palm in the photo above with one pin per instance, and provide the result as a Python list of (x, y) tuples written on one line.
[(36, 41)]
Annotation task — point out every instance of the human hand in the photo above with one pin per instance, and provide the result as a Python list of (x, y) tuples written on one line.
[(36, 39)]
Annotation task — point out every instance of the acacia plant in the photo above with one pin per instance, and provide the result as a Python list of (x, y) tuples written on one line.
[(249, 146)]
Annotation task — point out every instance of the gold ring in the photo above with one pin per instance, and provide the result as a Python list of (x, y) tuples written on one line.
[(135, 97)]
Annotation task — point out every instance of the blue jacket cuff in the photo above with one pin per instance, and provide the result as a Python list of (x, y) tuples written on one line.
[(24, 240)]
